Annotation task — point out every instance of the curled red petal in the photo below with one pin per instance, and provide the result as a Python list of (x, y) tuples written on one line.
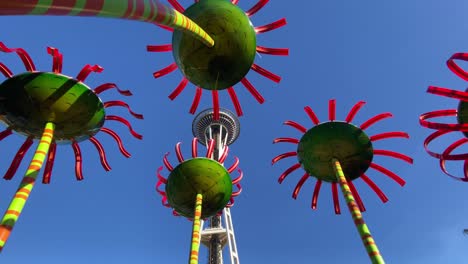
[(234, 165), (18, 158), (253, 90), (288, 171), (126, 123), (123, 104), (5, 70), (159, 48), (336, 201), (78, 161), (238, 178), (375, 188), (397, 134), (454, 66), (49, 163), (352, 113), (312, 115), (357, 197), (87, 69), (299, 185), (210, 149), (295, 125), (224, 155), (448, 93), (441, 113), (167, 163), (24, 56), (164, 71), (194, 147), (235, 101), (282, 156), (215, 105), (286, 140), (447, 152), (254, 9), (387, 172), (273, 51), (374, 120), (266, 73), (315, 195), (332, 110), (106, 86), (57, 59), (177, 6), (393, 154), (102, 153), (178, 89), (196, 100), (116, 137), (272, 26), (180, 158)]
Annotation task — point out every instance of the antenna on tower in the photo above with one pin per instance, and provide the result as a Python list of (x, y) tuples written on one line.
[(224, 131)]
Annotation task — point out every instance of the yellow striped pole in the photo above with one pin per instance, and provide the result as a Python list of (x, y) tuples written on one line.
[(195, 246), (26, 185), (366, 237)]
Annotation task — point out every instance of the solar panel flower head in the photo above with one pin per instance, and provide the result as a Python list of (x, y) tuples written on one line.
[(226, 63), (199, 187), (339, 152), (52, 108), (461, 113)]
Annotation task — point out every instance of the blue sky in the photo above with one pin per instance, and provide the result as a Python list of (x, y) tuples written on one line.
[(385, 53)]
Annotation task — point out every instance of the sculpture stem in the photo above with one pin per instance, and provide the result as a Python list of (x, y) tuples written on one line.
[(22, 194), (366, 237), (196, 230)]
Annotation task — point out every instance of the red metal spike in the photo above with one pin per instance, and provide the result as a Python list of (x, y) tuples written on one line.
[(87, 69), (393, 154), (117, 139), (123, 104), (103, 87), (102, 153), (299, 185), (177, 6), (159, 48), (336, 201), (235, 2), (126, 123), (374, 120), (179, 153), (78, 161), (441, 113), (5, 133), (448, 93), (164, 71), (235, 101), (234, 165), (286, 140), (194, 147), (311, 115), (18, 158), (318, 184), (273, 51), (223, 156), (24, 56), (352, 113), (455, 68), (5, 70), (49, 163), (259, 5), (209, 151), (178, 89), (264, 72), (57, 59), (295, 125), (196, 100), (215, 105), (332, 109), (272, 26), (167, 163), (252, 90), (282, 156), (357, 197), (386, 135), (239, 178), (387, 172), (288, 171), (375, 188)]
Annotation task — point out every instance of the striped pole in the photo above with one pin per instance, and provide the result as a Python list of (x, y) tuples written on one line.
[(151, 11), (26, 185), (366, 237), (195, 246)]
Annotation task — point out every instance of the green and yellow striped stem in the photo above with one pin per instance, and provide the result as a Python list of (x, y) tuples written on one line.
[(22, 194), (195, 246), (366, 237), (151, 11)]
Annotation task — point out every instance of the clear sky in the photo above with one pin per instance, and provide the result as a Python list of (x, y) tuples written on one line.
[(382, 52)]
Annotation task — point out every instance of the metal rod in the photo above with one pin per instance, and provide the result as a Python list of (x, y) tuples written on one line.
[(22, 194), (366, 237)]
